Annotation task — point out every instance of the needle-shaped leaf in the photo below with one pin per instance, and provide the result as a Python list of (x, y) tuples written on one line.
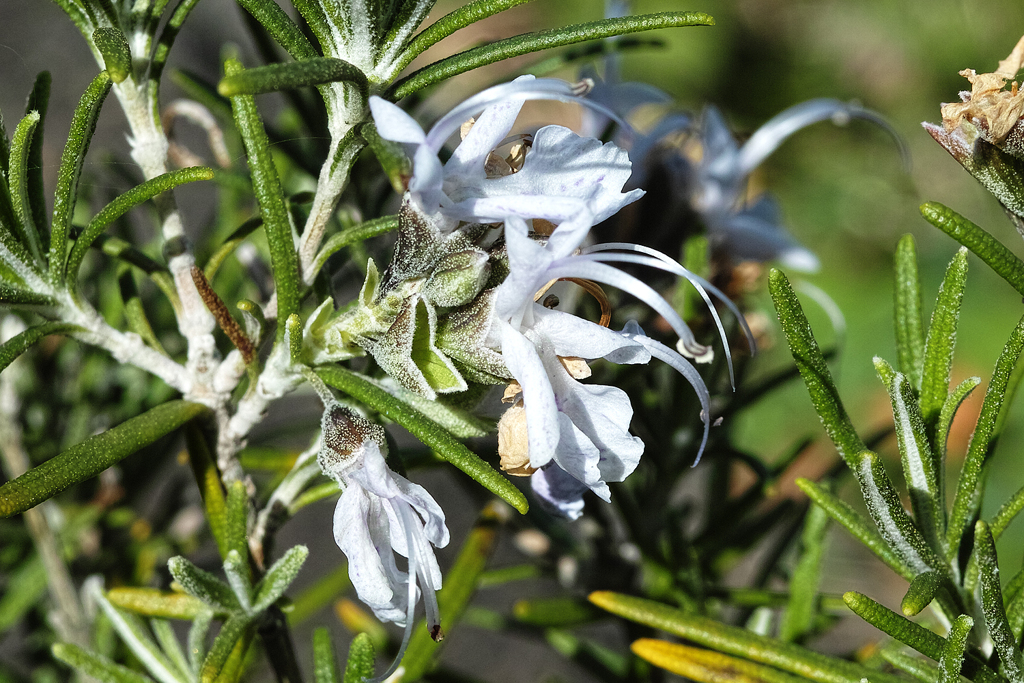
[(353, 235), (921, 592), (133, 632), (90, 457), (83, 125), (234, 637), (203, 585), (236, 569), (151, 602), (17, 297), (892, 520), (167, 35), (952, 659), (915, 455), (281, 27), (909, 324), (990, 250), (120, 206), (325, 666), (117, 56), (279, 577), (20, 343), (38, 101), (359, 666), (237, 522), (96, 666), (460, 18), (737, 641), (134, 312), (267, 186), (290, 75), (197, 641), (172, 648), (916, 636), (798, 618), (706, 666), (813, 369), (24, 226), (426, 430), (392, 157), (918, 667), (941, 339), (968, 490), (852, 520), (940, 442), (210, 487), (541, 40), (992, 604)]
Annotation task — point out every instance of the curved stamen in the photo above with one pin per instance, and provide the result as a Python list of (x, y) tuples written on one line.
[(591, 288)]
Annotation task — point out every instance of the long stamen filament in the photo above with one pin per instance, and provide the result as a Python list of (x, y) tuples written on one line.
[(402, 508)]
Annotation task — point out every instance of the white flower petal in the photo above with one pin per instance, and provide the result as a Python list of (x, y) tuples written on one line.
[(394, 124), (561, 492), (573, 336), (525, 364)]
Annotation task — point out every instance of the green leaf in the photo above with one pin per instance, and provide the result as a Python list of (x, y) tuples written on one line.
[(992, 604), (921, 592), (918, 667), (236, 634), (203, 585), (197, 641), (96, 666), (798, 619), (988, 248), (236, 569), (293, 334), (87, 459), (134, 312), (813, 369), (705, 666), (117, 56), (19, 344), (916, 636), (856, 525), (133, 632), (738, 641), (229, 246), (426, 430), (20, 176), (237, 516), (919, 467), (280, 26), (359, 666), (946, 415), (896, 527), (16, 297), (120, 206), (938, 347), (208, 478), (460, 585), (968, 490), (562, 612), (907, 312), (952, 658), (283, 259), (291, 75), (38, 101), (151, 602), (83, 125), (172, 648), (325, 666), (357, 233), (462, 17), (166, 39), (540, 40), (392, 158), (279, 577)]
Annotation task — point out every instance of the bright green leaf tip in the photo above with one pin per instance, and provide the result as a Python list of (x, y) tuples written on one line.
[(117, 55)]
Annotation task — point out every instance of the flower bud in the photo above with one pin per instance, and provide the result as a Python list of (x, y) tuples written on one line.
[(457, 278), (344, 435), (513, 445)]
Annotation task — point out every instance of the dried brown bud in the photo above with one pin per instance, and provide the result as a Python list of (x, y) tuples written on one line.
[(513, 444)]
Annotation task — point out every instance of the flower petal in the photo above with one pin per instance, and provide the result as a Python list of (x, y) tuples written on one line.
[(394, 124)]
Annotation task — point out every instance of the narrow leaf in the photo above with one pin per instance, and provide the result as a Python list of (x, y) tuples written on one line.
[(916, 636), (738, 641), (813, 369), (172, 648), (237, 521), (236, 631), (992, 604), (896, 527), (38, 101), (918, 667), (940, 442), (705, 666), (96, 666), (87, 459), (280, 26), (391, 155), (426, 430), (359, 666), (915, 455), (117, 56), (853, 522), (133, 632), (291, 75), (120, 206), (17, 345), (938, 347), (208, 478), (988, 248), (968, 493), (460, 18), (325, 666), (357, 233), (907, 312), (541, 40), (267, 186), (952, 658), (197, 640), (83, 125), (134, 313), (203, 585), (151, 602), (798, 619), (16, 297), (236, 570), (24, 226), (279, 577), (921, 592)]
